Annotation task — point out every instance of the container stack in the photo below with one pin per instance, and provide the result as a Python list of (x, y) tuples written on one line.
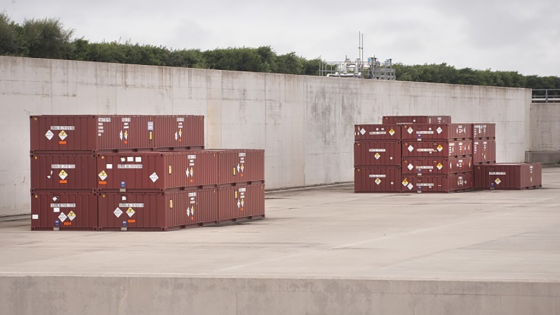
[(137, 173)]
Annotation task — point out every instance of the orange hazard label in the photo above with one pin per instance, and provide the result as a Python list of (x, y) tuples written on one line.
[(132, 221), (67, 223), (125, 142), (102, 183), (61, 142), (64, 182)]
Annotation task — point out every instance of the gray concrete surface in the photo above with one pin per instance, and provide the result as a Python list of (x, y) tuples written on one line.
[(545, 127), (543, 157), (305, 124), (320, 251)]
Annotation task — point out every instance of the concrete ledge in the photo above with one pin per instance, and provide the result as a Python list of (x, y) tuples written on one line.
[(544, 157), (178, 295)]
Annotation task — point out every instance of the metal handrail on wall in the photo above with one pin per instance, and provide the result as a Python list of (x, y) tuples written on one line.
[(546, 95)]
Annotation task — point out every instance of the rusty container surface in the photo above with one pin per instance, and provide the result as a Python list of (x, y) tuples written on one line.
[(202, 205), (377, 179), (401, 120), (377, 153), (241, 201), (504, 176), (179, 132), (429, 132), (440, 148), (240, 165), (484, 131), (484, 151), (377, 132), (436, 165), (63, 171), (437, 183), (63, 210), (91, 133)]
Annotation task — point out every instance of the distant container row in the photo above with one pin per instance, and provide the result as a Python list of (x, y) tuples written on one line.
[(145, 170), (154, 211), (425, 132), (89, 133)]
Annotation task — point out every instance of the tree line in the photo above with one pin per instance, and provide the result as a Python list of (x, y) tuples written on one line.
[(48, 38)]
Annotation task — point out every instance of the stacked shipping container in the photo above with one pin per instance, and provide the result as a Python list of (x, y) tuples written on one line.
[(137, 173)]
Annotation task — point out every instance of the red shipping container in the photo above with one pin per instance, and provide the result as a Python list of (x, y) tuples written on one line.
[(240, 202), (437, 183), (156, 170), (424, 132), (401, 120), (91, 133), (377, 179), (436, 165), (157, 211), (63, 210), (484, 151), (240, 165), (63, 171), (439, 149), (503, 176), (179, 132), (484, 131), (377, 153), (377, 132)]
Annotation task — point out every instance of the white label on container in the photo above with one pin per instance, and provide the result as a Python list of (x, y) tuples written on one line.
[(410, 167), (242, 154), (129, 166), (123, 159), (426, 150), (377, 150), (138, 159), (49, 135), (154, 177), (63, 166), (104, 120), (424, 167), (118, 212), (56, 210), (242, 189), (410, 186), (62, 217), (180, 119), (425, 184), (191, 157), (378, 132), (430, 132), (410, 130), (130, 159), (192, 194), (452, 144), (497, 173), (131, 205), (35, 217), (150, 126), (109, 166), (362, 131), (63, 205), (410, 148), (377, 175), (125, 120), (439, 130), (123, 198), (63, 128)]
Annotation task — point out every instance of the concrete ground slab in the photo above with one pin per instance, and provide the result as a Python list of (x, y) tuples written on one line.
[(464, 252)]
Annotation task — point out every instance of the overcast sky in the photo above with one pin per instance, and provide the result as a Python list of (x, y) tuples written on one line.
[(509, 35)]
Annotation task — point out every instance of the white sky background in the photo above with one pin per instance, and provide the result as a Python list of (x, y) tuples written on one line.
[(506, 35)]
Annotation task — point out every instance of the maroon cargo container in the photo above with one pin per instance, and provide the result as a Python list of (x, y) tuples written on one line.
[(437, 148), (508, 176), (437, 183), (436, 165), (91, 133), (377, 153), (377, 179), (429, 132), (240, 165), (484, 131), (240, 202), (63, 171), (63, 210), (156, 170), (157, 211), (484, 151), (377, 132), (401, 120), (179, 132)]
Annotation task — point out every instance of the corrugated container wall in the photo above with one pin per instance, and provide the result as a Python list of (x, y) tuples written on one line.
[(429, 132), (63, 210), (242, 201), (240, 165), (437, 148), (437, 183), (179, 132), (377, 179), (377, 132), (484, 151), (416, 120), (203, 205), (508, 176), (63, 171), (484, 131), (436, 165), (377, 153)]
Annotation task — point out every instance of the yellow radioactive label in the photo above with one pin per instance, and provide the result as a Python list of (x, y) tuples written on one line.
[(62, 173), (391, 132), (498, 181), (439, 147), (377, 181), (377, 156), (405, 182), (439, 166)]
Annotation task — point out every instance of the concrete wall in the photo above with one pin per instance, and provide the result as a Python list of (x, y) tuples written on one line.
[(545, 127), (69, 295), (305, 124)]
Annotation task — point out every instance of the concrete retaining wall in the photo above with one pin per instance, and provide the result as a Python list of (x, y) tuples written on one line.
[(30, 295), (305, 124)]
